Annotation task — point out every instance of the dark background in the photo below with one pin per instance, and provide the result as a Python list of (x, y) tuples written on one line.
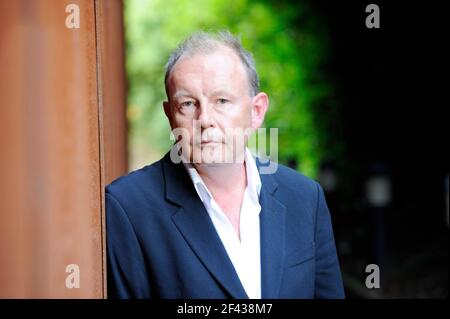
[(393, 119)]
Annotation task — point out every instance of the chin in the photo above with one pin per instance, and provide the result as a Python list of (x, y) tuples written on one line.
[(212, 157)]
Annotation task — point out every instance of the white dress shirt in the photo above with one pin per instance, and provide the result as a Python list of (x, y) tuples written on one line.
[(244, 253)]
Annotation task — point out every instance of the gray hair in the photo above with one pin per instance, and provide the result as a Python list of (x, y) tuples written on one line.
[(206, 42)]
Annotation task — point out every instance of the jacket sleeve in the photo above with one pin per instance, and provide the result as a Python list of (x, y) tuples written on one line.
[(126, 273), (328, 281)]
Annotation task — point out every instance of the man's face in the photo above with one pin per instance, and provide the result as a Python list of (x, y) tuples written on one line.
[(209, 97)]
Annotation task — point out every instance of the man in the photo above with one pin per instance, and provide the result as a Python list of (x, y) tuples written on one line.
[(211, 227)]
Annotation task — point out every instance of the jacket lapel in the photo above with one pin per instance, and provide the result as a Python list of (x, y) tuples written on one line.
[(272, 233), (193, 222)]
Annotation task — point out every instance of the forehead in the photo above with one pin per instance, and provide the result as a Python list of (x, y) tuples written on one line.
[(219, 68)]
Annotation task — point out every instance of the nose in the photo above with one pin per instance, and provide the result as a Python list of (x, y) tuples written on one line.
[(205, 115)]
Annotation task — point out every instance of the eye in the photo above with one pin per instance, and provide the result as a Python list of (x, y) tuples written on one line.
[(187, 104), (222, 101)]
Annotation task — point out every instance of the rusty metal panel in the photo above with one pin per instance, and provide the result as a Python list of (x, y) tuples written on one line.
[(112, 99), (110, 35), (51, 146)]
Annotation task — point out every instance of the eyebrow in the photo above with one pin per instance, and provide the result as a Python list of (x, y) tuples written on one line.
[(184, 93), (181, 93), (223, 92)]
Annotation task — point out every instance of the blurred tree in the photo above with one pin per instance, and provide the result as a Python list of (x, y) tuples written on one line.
[(289, 44)]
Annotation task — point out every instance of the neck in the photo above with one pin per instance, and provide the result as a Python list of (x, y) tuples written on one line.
[(221, 178)]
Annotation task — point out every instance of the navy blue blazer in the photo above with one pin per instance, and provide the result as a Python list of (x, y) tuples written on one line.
[(161, 242)]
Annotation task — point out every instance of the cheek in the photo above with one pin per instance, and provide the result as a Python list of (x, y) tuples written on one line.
[(242, 117), (188, 125), (181, 121)]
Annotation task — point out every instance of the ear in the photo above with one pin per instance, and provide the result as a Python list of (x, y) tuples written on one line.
[(260, 104)]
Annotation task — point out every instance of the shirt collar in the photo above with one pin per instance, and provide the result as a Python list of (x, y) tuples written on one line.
[(253, 179)]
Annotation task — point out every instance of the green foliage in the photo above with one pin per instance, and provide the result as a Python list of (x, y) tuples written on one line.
[(289, 44)]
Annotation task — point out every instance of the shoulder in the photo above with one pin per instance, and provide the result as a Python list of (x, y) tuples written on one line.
[(290, 179), (145, 182), (293, 188)]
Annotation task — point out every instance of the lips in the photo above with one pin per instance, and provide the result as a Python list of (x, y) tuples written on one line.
[(209, 139)]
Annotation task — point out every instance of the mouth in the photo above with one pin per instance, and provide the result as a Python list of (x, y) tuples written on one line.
[(204, 143)]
